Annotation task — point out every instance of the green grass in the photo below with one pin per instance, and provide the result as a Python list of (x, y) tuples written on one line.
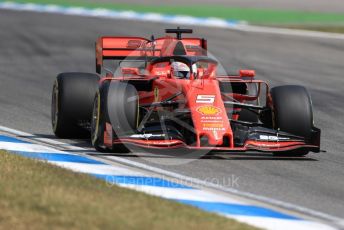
[(36, 195), (253, 16)]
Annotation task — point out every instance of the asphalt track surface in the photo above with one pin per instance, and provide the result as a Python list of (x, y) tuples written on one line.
[(35, 47)]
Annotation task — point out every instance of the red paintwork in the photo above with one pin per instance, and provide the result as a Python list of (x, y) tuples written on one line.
[(208, 113), (247, 73), (249, 145), (152, 143), (113, 47), (108, 138)]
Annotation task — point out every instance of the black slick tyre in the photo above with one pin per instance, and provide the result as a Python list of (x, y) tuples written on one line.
[(72, 101), (293, 114), (116, 103)]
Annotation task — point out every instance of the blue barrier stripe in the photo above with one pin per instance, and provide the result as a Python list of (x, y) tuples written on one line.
[(238, 209), (218, 207), (107, 13), (59, 157), (12, 139), (141, 181)]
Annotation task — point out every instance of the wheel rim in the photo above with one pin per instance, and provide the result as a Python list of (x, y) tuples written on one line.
[(95, 119), (54, 107)]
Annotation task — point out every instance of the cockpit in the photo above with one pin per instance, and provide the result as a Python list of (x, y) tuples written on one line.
[(183, 67)]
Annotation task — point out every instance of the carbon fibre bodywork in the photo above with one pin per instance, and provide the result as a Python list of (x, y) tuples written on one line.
[(200, 111)]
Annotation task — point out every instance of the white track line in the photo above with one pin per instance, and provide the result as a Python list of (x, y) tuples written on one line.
[(192, 194), (206, 200), (271, 223), (96, 168), (289, 32), (160, 18), (278, 203), (27, 147), (189, 180)]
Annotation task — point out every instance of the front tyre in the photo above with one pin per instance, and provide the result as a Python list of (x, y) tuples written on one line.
[(97, 126), (293, 114), (116, 103)]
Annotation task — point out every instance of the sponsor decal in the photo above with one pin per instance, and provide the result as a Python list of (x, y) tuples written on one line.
[(213, 129), (216, 135), (205, 99), (160, 72), (211, 118), (213, 125), (134, 44), (210, 121), (272, 138), (209, 110), (147, 135)]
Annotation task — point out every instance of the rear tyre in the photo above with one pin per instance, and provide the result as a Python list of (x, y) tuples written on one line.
[(293, 114), (117, 104), (71, 107)]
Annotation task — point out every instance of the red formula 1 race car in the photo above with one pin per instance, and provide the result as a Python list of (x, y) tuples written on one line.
[(167, 93)]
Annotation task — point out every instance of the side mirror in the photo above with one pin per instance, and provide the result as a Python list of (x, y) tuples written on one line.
[(247, 73), (109, 75), (130, 71)]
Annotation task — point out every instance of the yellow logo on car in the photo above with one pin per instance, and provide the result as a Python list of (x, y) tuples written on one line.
[(213, 125), (209, 110)]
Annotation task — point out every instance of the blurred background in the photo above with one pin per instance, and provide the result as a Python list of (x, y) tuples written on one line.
[(303, 14), (35, 47)]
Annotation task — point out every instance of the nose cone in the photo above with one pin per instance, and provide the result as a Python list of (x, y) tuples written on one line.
[(208, 112)]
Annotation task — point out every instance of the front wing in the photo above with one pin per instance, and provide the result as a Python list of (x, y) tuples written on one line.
[(255, 139)]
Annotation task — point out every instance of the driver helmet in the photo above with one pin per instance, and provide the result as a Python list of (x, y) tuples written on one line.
[(180, 70)]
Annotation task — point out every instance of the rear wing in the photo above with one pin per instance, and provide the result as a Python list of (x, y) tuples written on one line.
[(119, 48)]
